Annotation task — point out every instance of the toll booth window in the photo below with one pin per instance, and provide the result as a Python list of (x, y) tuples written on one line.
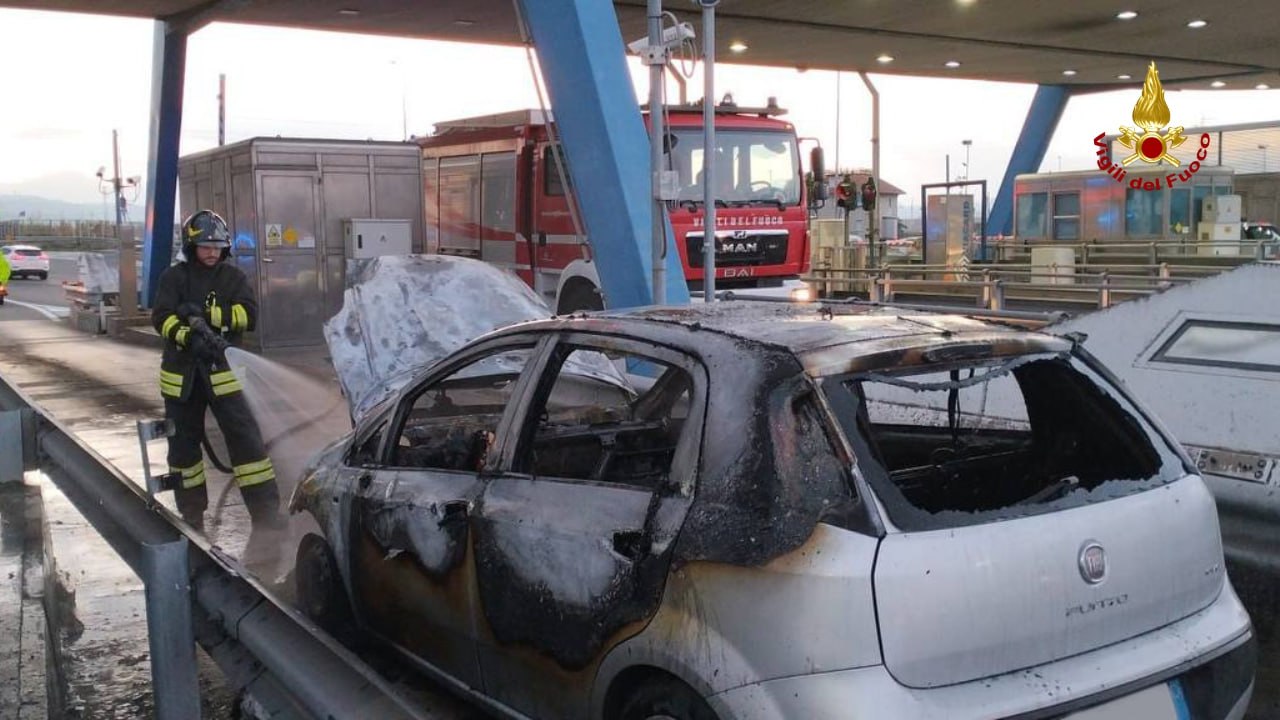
[(1066, 216), (1243, 346), (1198, 194), (615, 419), (1033, 210), (451, 423), (1143, 213), (1180, 211), (552, 159)]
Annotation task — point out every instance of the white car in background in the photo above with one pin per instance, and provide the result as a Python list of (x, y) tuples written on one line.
[(26, 260)]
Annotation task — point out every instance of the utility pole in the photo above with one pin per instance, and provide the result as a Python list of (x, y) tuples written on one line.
[(873, 215), (128, 295), (222, 109), (656, 59), (709, 150)]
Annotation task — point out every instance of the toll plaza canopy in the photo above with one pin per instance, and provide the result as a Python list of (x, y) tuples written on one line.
[(1010, 40)]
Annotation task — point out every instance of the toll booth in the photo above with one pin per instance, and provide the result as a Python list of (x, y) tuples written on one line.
[(291, 204), (948, 229)]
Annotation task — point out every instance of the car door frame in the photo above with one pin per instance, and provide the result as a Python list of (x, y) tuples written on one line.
[(531, 677), (393, 479)]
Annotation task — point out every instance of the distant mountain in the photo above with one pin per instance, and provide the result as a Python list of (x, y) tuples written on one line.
[(62, 196), (69, 187), (33, 208)]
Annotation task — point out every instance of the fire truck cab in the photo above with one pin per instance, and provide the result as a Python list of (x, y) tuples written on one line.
[(497, 188)]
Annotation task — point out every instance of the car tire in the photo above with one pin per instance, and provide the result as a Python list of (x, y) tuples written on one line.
[(318, 584), (665, 699), (44, 275)]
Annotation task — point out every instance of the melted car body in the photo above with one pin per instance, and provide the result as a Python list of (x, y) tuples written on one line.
[(774, 511)]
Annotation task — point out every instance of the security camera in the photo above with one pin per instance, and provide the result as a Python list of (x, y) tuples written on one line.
[(671, 37)]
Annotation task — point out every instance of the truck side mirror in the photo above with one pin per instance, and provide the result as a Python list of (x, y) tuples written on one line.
[(817, 164)]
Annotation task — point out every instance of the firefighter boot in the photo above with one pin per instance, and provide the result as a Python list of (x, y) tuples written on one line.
[(263, 503), (192, 503), (263, 552)]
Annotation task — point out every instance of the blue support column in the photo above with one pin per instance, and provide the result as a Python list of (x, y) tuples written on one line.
[(584, 65), (1042, 119), (168, 67)]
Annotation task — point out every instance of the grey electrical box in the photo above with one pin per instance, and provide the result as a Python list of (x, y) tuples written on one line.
[(375, 238)]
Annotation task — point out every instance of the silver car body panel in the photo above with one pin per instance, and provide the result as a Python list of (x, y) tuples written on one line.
[(873, 692), (955, 604), (722, 626)]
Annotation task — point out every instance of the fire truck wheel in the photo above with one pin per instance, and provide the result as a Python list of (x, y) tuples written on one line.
[(578, 296)]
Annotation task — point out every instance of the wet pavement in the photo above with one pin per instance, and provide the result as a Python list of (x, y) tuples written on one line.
[(98, 388)]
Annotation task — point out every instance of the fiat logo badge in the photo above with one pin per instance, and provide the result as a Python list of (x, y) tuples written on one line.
[(1093, 563)]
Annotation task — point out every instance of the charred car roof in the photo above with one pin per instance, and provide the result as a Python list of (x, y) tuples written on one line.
[(826, 339)]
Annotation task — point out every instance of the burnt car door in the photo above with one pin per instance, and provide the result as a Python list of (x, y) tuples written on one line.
[(573, 541), (409, 561)]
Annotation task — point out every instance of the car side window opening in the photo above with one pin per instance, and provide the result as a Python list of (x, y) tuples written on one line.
[(366, 453), (999, 432), (590, 426), (452, 422)]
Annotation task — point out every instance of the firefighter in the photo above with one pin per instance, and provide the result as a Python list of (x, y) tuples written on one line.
[(194, 375)]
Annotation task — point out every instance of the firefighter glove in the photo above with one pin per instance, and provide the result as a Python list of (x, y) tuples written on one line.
[(188, 310)]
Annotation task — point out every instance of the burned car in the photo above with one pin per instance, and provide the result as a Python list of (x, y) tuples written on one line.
[(749, 510)]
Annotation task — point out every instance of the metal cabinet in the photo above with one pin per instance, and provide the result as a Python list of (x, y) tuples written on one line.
[(286, 201)]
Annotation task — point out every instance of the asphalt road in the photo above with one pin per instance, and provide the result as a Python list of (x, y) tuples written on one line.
[(28, 296)]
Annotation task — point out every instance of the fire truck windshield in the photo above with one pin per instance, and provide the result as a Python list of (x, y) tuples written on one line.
[(752, 167)]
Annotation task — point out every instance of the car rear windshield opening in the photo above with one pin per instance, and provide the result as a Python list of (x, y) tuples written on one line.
[(946, 447)]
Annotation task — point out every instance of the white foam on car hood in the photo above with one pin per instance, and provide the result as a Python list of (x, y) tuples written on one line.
[(400, 314)]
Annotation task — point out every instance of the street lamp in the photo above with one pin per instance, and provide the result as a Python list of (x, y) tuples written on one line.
[(967, 144)]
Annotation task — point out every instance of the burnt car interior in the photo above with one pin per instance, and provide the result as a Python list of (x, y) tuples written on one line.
[(451, 423), (988, 435), (590, 429)]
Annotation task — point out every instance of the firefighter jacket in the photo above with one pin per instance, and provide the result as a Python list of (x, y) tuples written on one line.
[(229, 307)]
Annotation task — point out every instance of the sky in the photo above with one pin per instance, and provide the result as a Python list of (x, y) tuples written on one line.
[(69, 80)]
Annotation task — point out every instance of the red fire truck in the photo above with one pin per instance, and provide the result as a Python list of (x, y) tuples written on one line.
[(494, 191)]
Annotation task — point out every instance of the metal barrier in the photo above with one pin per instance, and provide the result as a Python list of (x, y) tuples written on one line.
[(1154, 250), (994, 284), (264, 647)]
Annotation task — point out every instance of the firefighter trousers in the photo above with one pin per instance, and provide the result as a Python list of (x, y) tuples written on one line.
[(254, 473)]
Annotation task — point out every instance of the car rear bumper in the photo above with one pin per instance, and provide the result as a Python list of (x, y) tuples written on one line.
[(1210, 654)]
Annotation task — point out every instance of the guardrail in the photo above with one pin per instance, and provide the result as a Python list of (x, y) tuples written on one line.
[(991, 285), (267, 648), (1154, 250)]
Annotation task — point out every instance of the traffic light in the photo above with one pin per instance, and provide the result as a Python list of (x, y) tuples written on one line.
[(869, 194), (846, 191)]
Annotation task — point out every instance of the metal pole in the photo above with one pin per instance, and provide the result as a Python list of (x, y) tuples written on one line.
[(173, 646), (837, 155), (222, 109), (873, 216), (115, 178), (709, 151), (657, 59), (127, 272)]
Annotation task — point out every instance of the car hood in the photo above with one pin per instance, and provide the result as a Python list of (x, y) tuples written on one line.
[(400, 314)]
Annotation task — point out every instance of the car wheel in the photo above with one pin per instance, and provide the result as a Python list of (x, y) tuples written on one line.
[(44, 275), (666, 699), (318, 583)]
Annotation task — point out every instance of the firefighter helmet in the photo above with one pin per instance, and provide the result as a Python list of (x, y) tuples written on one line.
[(205, 227)]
